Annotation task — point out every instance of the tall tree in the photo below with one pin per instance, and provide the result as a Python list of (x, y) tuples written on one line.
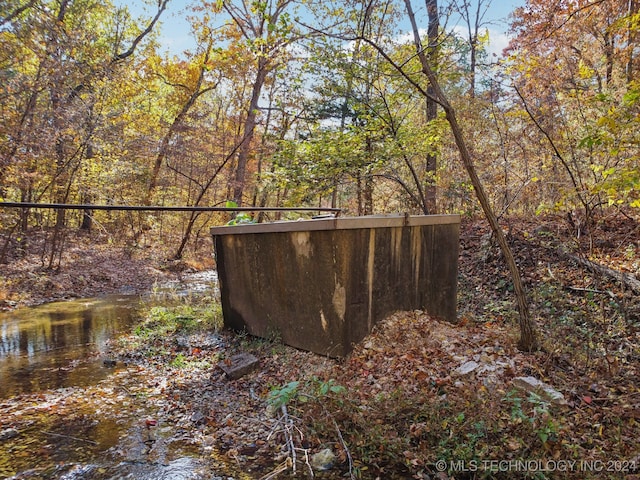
[(191, 85), (371, 118), (433, 39), (266, 29), (528, 336), (473, 19)]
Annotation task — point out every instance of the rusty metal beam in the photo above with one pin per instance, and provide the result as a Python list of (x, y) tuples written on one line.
[(155, 208)]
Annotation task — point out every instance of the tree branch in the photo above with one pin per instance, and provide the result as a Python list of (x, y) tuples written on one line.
[(16, 12), (121, 56)]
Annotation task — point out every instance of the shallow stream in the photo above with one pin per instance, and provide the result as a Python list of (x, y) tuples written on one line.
[(67, 412), (57, 345)]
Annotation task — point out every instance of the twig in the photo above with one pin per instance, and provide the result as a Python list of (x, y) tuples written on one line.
[(550, 272), (69, 436), (306, 461), (590, 290), (287, 428), (127, 390), (344, 447), (282, 468), (289, 437), (275, 429)]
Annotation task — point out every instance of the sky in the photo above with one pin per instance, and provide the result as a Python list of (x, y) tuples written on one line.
[(175, 35), (498, 14)]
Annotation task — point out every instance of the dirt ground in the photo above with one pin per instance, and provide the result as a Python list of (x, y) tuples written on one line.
[(91, 266)]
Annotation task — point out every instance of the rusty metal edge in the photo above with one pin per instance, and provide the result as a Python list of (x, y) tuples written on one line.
[(344, 223)]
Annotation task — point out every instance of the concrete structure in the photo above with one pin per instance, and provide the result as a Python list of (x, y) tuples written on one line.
[(322, 284)]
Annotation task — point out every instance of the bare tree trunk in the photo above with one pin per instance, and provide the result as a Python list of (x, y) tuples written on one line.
[(359, 193), (632, 10), (473, 23), (368, 195), (433, 32), (248, 131), (528, 337)]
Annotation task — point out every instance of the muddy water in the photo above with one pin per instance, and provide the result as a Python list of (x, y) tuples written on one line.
[(66, 414), (58, 344)]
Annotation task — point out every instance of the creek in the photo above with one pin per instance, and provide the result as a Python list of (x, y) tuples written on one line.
[(67, 412), (55, 345)]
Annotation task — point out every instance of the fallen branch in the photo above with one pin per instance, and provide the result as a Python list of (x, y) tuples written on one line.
[(70, 437), (288, 425), (590, 290), (283, 467), (345, 448), (624, 278)]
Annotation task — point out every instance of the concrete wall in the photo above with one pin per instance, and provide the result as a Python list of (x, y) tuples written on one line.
[(321, 285)]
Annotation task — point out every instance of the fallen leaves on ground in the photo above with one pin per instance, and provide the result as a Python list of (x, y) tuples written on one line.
[(418, 391)]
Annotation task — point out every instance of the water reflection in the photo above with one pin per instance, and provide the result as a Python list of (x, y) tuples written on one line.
[(83, 433), (55, 345)]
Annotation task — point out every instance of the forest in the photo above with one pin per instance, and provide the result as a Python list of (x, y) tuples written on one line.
[(271, 111), (371, 107)]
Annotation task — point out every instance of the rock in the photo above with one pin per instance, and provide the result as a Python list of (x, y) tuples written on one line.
[(238, 365), (109, 362), (198, 418), (323, 460), (8, 433), (546, 391), (467, 367)]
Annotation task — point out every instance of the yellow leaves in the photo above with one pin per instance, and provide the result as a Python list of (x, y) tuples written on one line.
[(608, 121), (483, 37), (585, 71)]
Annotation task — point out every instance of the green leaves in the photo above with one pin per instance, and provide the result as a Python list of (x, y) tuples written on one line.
[(330, 386), (240, 218), (314, 389), (279, 397)]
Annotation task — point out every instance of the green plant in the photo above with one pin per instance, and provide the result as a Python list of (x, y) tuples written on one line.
[(183, 362), (324, 388), (537, 416), (240, 218), (179, 361), (281, 396), (162, 320), (315, 389)]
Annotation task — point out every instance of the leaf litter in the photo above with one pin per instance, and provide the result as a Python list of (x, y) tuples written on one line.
[(415, 392)]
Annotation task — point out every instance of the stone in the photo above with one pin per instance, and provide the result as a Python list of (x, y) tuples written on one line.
[(546, 391), (8, 433), (467, 367), (238, 365), (198, 418), (323, 460), (109, 362)]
